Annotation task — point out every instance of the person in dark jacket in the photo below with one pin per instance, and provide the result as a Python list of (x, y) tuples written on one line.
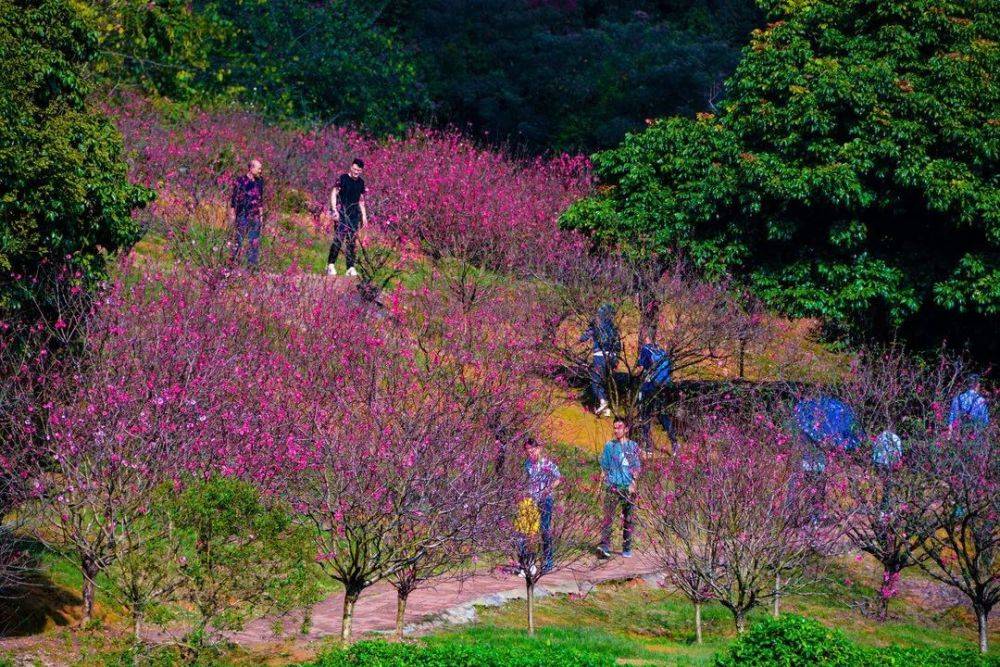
[(247, 203), (607, 345)]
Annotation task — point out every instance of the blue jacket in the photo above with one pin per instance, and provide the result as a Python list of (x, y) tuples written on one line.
[(969, 408), (620, 462), (655, 362), (827, 421)]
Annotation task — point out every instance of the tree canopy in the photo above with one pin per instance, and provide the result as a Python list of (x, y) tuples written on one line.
[(570, 75), (851, 172), (64, 194), (539, 74)]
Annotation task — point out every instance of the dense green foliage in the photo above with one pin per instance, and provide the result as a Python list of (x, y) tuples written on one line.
[(852, 173), (571, 75), (792, 640), (327, 60), (63, 186), (162, 46), (795, 641), (290, 58), (240, 557), (456, 654), (539, 74)]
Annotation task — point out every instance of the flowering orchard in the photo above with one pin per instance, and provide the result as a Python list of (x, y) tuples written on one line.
[(387, 417)]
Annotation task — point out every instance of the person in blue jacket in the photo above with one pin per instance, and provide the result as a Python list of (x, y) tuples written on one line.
[(969, 412), (620, 466), (607, 345), (656, 366), (825, 422)]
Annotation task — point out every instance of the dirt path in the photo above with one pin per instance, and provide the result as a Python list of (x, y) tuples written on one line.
[(447, 602)]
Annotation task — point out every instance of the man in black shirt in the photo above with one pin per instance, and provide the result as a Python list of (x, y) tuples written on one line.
[(347, 203)]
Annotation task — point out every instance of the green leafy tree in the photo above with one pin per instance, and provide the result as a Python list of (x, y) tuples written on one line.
[(238, 556), (569, 75), (163, 47), (326, 60), (64, 194), (851, 172)]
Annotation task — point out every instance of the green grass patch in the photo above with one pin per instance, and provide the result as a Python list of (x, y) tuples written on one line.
[(655, 626), (489, 647)]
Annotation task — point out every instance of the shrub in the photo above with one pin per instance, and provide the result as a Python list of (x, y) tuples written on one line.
[(239, 557), (792, 640)]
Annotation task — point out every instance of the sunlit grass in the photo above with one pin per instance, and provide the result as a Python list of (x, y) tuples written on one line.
[(656, 625)]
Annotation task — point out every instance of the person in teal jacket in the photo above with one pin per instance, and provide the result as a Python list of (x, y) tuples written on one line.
[(620, 465)]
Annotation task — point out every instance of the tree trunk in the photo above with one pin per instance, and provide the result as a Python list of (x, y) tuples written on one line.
[(697, 622), (89, 569), (136, 625), (982, 616), (881, 607), (741, 621), (742, 357), (306, 625), (776, 611), (531, 609), (400, 612), (350, 597)]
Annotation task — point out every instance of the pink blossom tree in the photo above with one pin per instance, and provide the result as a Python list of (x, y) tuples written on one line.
[(168, 377), (885, 486), (733, 513), (395, 418), (962, 520)]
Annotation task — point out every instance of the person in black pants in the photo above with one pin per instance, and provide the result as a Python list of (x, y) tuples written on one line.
[(247, 202), (347, 203)]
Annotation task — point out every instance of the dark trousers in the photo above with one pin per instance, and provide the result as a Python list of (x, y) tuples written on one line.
[(545, 507), (653, 406), (600, 372), (613, 497), (345, 235), (247, 231)]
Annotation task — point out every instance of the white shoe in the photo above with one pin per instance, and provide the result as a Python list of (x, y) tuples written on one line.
[(331, 270), (603, 409), (352, 272)]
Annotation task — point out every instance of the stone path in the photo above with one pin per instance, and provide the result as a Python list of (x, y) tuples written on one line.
[(448, 601)]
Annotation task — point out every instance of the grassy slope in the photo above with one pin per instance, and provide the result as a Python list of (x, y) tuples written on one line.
[(643, 624)]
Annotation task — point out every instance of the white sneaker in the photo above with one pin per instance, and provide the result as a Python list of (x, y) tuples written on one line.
[(331, 270), (603, 410), (352, 272)]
